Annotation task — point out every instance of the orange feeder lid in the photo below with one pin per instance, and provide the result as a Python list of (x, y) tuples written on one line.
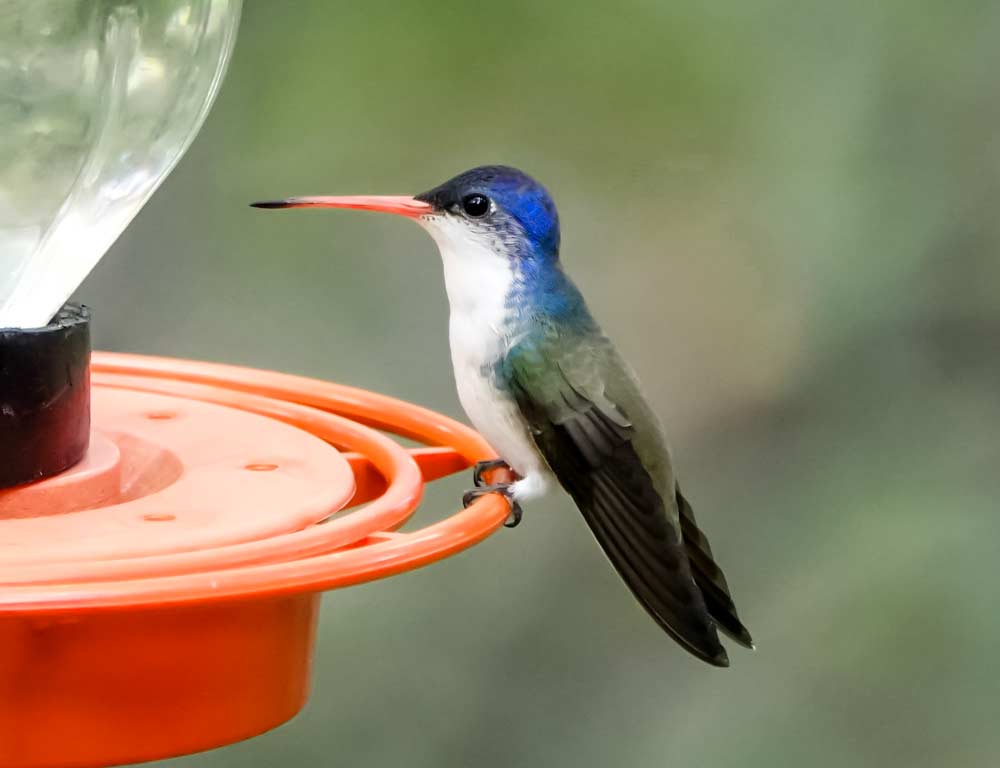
[(161, 597)]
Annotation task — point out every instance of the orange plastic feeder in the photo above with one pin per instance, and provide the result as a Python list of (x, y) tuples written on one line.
[(161, 596)]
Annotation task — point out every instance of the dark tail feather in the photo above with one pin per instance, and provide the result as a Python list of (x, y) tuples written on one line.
[(710, 578), (654, 569)]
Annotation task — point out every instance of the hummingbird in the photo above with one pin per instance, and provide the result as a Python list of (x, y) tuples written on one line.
[(544, 385)]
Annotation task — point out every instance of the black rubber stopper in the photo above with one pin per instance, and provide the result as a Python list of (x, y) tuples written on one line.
[(44, 397)]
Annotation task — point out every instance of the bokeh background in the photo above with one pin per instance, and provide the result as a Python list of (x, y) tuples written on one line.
[(786, 213)]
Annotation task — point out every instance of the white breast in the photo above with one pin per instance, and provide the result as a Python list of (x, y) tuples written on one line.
[(478, 279)]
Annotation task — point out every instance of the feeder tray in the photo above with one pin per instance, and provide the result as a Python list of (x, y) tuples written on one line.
[(161, 596)]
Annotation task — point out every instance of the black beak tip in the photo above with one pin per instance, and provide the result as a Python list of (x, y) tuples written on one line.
[(269, 204)]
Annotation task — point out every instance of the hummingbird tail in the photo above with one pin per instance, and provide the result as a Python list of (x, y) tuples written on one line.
[(627, 517), (710, 578)]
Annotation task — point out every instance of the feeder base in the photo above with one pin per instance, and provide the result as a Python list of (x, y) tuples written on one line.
[(161, 597), (129, 686)]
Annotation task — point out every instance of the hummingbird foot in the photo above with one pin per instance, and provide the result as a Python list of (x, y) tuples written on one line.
[(485, 466), (503, 488)]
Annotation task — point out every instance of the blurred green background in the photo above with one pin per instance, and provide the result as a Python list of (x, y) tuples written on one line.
[(786, 214)]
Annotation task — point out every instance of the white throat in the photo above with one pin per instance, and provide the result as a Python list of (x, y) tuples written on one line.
[(478, 277)]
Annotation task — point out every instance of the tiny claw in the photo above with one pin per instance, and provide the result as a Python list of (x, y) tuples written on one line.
[(515, 515), (503, 488), (486, 466)]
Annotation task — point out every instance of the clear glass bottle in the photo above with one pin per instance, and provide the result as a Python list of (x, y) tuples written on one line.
[(98, 101)]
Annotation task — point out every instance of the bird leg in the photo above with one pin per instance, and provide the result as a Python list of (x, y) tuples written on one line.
[(485, 466), (503, 488)]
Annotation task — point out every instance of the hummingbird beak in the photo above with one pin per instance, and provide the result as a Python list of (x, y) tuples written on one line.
[(398, 204)]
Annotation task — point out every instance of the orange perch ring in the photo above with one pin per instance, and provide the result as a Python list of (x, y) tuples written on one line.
[(161, 597)]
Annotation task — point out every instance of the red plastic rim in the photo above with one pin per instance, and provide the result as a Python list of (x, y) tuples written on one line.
[(222, 556), (161, 597)]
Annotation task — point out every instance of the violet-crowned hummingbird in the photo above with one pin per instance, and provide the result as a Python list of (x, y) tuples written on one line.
[(548, 390)]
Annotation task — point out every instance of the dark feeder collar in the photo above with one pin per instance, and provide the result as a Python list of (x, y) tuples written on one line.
[(44, 397)]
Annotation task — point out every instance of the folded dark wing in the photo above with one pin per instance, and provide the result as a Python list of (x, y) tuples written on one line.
[(590, 445)]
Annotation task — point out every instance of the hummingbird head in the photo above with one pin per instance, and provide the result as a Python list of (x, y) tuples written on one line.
[(498, 205), (496, 227)]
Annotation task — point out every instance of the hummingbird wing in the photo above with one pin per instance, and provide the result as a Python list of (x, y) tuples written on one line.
[(604, 444)]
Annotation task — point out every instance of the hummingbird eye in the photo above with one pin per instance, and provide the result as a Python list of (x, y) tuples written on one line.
[(475, 206)]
